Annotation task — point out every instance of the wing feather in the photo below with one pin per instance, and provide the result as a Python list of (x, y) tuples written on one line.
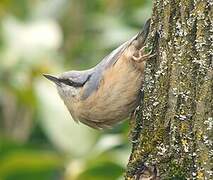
[(111, 59)]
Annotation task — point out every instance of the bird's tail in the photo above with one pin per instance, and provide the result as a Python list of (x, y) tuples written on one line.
[(141, 37)]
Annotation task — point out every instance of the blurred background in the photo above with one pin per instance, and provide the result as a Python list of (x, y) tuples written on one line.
[(38, 138)]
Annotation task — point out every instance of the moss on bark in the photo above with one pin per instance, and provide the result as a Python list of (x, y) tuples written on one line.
[(173, 129)]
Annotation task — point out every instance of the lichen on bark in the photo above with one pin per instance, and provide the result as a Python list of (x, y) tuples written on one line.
[(173, 129)]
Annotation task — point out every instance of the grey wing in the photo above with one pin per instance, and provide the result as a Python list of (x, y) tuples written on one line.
[(98, 70), (111, 59)]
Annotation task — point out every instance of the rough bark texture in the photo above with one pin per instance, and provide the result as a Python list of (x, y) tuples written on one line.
[(173, 130)]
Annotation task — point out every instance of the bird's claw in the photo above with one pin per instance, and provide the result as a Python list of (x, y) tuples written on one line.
[(142, 56)]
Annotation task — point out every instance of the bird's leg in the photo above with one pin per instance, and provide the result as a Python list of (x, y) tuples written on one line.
[(141, 56)]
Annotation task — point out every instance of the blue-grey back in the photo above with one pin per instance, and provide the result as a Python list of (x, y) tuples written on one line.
[(97, 71)]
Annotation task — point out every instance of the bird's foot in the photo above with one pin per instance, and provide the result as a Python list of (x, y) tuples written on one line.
[(142, 56)]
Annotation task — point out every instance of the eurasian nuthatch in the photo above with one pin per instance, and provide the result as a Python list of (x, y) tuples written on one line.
[(107, 93)]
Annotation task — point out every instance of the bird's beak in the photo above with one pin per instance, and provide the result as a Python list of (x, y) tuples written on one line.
[(52, 78)]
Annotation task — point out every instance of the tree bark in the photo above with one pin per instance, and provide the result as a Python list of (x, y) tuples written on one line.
[(172, 135)]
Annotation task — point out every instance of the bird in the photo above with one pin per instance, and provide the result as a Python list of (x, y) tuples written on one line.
[(109, 92)]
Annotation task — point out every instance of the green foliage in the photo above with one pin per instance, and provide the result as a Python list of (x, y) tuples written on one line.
[(104, 171), (19, 8), (36, 132), (21, 162)]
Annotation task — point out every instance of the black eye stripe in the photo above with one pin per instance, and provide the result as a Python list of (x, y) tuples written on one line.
[(72, 83)]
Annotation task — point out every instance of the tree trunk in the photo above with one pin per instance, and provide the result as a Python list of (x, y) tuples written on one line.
[(172, 134)]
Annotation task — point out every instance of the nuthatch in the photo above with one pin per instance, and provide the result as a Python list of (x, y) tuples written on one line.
[(107, 93)]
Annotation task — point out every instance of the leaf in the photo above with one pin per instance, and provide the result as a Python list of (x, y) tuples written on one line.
[(28, 163), (104, 171)]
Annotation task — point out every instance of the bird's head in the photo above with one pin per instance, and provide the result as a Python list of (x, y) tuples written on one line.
[(69, 84)]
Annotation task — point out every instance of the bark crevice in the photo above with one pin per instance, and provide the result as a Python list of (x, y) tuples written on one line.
[(173, 128)]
